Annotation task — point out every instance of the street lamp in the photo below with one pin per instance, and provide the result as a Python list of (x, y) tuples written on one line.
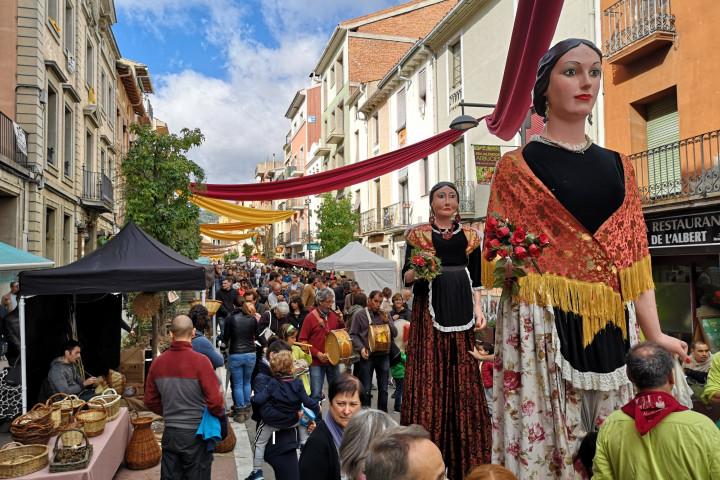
[(466, 122), (309, 237)]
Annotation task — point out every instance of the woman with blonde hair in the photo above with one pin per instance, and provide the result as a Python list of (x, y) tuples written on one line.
[(361, 430)]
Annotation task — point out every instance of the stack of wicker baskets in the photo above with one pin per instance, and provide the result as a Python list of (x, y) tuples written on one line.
[(143, 450), (93, 420), (34, 427), (64, 408), (108, 401), (17, 459)]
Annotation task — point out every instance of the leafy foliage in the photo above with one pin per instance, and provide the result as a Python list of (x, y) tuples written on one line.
[(157, 176), (231, 255), (247, 250), (337, 222)]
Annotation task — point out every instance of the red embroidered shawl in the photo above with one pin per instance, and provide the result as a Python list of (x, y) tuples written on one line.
[(590, 275)]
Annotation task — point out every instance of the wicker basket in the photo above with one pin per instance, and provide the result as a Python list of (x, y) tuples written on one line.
[(68, 458), (109, 401), (17, 459), (64, 408), (146, 305), (93, 419), (228, 444), (72, 433), (143, 450), (34, 427), (116, 380)]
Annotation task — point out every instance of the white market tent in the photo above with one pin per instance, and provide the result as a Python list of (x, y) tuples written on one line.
[(370, 270)]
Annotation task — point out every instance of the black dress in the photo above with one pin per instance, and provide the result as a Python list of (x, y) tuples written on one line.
[(443, 389)]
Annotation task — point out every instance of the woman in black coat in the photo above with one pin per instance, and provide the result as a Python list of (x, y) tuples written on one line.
[(319, 459)]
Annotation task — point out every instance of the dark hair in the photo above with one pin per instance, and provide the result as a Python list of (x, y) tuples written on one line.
[(388, 454), (70, 345), (547, 62), (586, 451), (275, 345), (694, 344), (251, 292), (440, 185), (344, 383), (648, 365), (373, 294), (360, 299), (386, 292), (296, 299), (273, 276), (238, 301), (199, 316)]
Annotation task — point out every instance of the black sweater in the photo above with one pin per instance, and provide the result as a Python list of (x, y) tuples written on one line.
[(320, 459)]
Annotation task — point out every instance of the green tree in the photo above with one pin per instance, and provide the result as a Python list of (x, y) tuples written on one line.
[(232, 255), (337, 222), (247, 250), (157, 176)]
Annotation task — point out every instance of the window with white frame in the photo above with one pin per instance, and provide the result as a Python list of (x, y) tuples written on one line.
[(375, 125), (51, 112), (422, 88), (52, 11), (400, 102), (89, 151), (69, 129), (455, 65)]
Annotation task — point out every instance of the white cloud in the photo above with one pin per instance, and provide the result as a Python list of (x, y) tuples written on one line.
[(242, 114)]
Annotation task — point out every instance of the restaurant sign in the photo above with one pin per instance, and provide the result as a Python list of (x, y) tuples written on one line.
[(684, 230)]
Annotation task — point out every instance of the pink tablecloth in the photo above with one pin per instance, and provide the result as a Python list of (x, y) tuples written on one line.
[(108, 453)]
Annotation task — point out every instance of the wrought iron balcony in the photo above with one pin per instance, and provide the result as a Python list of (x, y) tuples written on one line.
[(369, 221), (685, 170), (466, 190), (396, 215), (97, 192), (634, 28), (9, 146)]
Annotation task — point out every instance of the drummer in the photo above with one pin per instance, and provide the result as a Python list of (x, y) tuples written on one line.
[(378, 362), (316, 327)]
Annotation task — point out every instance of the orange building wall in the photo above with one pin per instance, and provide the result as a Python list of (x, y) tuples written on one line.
[(370, 59), (691, 66), (313, 108), (8, 56)]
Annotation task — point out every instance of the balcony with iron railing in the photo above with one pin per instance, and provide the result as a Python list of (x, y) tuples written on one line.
[(9, 145), (97, 193), (295, 237), (369, 221), (455, 97), (280, 239), (466, 200), (295, 204), (396, 215), (634, 28), (686, 170)]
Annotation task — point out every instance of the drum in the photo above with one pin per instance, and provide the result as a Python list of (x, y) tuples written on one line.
[(379, 338), (338, 347)]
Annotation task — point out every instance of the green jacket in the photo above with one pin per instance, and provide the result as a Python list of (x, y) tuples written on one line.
[(398, 371)]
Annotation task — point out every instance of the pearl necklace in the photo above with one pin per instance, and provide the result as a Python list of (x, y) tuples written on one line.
[(447, 233), (570, 147)]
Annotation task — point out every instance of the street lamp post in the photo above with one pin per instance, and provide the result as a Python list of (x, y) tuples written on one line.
[(309, 236)]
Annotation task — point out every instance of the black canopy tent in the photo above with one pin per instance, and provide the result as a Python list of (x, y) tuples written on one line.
[(132, 261)]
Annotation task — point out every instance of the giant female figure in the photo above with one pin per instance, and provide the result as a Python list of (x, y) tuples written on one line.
[(561, 343), (443, 388)]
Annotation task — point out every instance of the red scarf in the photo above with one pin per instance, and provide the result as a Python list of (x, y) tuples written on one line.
[(650, 408)]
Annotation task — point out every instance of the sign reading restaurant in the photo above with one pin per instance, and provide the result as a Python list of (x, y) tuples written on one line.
[(684, 230)]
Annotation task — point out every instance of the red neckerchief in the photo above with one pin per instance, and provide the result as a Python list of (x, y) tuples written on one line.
[(650, 408)]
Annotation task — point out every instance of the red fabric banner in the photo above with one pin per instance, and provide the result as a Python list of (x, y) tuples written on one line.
[(330, 179), (535, 23)]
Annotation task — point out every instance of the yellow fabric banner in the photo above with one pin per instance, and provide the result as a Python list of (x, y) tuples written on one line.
[(231, 226), (239, 213), (227, 236)]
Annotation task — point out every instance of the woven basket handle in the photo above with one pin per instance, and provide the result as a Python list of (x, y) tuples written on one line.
[(57, 439), (50, 401), (11, 445), (109, 391)]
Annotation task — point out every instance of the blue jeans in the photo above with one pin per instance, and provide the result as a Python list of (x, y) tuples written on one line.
[(241, 367), (317, 378)]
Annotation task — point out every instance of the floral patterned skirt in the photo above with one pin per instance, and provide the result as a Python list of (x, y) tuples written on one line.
[(443, 392), (541, 410)]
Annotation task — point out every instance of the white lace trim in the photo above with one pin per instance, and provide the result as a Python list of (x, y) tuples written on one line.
[(592, 380), (459, 328)]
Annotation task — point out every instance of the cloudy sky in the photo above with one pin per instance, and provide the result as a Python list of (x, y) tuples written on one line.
[(231, 68)]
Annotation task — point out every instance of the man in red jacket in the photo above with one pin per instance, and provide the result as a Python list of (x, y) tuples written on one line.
[(180, 384), (316, 326)]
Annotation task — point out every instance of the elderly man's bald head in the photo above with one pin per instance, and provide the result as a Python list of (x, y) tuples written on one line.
[(182, 328)]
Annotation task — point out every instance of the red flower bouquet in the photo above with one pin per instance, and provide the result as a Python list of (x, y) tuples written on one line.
[(425, 265), (515, 249)]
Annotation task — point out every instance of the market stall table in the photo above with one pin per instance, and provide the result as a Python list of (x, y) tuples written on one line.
[(108, 453)]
